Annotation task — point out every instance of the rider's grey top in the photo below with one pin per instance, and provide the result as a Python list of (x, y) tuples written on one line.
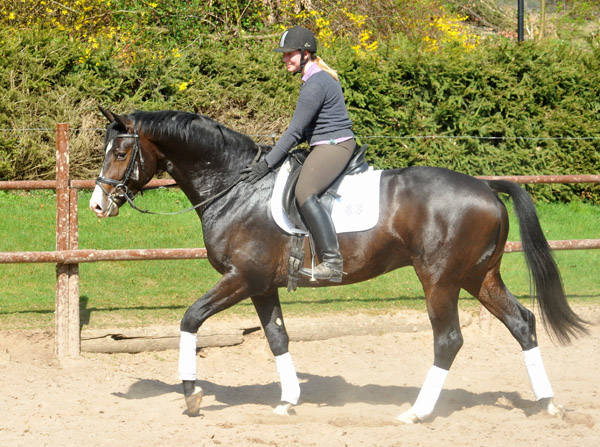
[(320, 115)]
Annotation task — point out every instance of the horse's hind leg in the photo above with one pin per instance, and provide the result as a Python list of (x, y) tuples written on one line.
[(268, 308), (447, 341), (520, 321)]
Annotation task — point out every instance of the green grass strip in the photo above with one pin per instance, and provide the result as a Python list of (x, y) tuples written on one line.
[(158, 292)]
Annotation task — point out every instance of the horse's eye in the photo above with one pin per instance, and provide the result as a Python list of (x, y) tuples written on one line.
[(120, 155)]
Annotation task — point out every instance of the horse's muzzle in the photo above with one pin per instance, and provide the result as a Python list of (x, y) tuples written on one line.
[(103, 205)]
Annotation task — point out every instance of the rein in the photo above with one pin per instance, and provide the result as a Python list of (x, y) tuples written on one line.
[(121, 185), (191, 208)]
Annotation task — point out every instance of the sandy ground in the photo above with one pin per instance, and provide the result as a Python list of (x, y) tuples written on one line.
[(353, 388)]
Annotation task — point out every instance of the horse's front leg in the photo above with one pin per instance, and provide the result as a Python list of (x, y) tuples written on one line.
[(228, 291), (268, 308)]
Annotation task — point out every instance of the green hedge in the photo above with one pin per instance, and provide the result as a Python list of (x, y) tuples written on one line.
[(505, 108)]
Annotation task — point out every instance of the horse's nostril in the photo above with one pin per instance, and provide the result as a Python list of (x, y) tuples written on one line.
[(95, 206)]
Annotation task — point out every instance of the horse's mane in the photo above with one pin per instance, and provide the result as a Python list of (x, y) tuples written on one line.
[(190, 128)]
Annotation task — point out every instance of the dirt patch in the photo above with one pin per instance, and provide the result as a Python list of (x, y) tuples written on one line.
[(353, 387)]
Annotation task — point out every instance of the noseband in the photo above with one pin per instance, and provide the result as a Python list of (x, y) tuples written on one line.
[(121, 190)]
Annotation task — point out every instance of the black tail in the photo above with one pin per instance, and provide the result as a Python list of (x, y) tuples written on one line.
[(555, 310)]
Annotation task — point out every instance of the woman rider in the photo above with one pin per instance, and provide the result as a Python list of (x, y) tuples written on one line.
[(321, 119)]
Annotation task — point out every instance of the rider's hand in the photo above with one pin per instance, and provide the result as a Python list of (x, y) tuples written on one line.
[(254, 172)]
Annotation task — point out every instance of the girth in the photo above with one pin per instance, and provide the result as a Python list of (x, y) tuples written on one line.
[(356, 165)]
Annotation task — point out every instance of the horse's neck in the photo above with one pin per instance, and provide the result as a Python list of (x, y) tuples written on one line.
[(203, 173)]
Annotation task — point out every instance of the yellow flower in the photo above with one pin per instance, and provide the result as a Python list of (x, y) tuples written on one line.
[(183, 86)]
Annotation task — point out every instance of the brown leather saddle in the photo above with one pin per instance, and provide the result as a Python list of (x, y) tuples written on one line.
[(356, 165)]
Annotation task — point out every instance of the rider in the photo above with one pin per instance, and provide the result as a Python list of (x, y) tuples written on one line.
[(321, 119)]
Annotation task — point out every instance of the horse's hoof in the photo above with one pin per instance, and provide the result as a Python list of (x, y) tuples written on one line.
[(408, 417), (557, 411), (283, 409), (193, 401)]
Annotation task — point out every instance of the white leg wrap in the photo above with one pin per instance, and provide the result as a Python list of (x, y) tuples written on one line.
[(537, 374), (187, 355), (290, 387), (430, 392)]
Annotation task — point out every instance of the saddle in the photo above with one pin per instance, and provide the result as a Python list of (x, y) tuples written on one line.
[(356, 165)]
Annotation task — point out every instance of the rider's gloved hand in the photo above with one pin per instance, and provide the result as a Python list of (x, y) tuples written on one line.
[(254, 172)]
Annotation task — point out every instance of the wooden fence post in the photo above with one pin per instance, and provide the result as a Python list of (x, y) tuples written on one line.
[(67, 341)]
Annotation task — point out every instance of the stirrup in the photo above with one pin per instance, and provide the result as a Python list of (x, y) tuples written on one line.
[(323, 272)]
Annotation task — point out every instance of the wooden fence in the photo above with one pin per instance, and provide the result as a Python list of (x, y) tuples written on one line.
[(68, 256)]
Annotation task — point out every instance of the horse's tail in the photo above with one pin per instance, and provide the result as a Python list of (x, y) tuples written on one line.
[(548, 289)]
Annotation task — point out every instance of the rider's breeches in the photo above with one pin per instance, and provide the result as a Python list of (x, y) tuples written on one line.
[(321, 167)]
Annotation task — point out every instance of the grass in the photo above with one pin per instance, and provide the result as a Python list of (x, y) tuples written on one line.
[(153, 292)]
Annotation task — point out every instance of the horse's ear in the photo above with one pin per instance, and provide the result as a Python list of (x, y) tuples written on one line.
[(108, 114), (112, 117), (123, 121)]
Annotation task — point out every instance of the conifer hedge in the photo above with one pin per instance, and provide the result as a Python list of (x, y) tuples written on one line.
[(501, 109)]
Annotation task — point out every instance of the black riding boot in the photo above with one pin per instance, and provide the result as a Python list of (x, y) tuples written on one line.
[(322, 230)]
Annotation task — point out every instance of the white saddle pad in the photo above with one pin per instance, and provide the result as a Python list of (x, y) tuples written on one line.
[(357, 208)]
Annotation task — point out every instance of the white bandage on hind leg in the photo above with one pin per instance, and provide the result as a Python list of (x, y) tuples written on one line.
[(537, 374), (430, 392), (290, 387), (187, 355)]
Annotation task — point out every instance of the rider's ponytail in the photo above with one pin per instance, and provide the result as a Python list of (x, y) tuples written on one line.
[(326, 68)]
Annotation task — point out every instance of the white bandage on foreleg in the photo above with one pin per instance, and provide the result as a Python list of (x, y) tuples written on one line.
[(430, 392), (537, 374), (290, 387), (187, 355)]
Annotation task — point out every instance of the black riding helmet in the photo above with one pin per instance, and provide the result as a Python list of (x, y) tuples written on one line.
[(297, 38)]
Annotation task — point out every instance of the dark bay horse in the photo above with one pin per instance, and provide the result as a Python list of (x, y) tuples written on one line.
[(451, 228)]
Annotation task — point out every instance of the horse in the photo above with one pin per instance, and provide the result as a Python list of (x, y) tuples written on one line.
[(450, 227)]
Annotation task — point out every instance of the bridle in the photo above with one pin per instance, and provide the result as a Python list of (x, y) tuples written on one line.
[(121, 191)]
